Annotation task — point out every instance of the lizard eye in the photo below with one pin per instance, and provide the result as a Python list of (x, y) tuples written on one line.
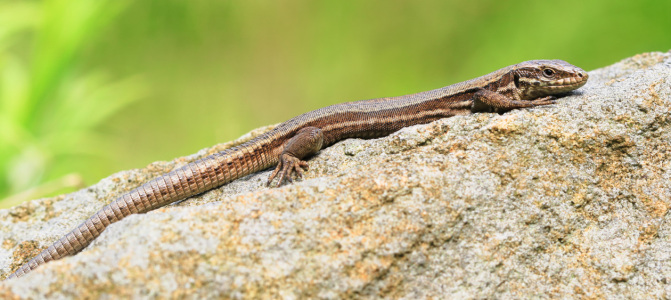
[(548, 72)]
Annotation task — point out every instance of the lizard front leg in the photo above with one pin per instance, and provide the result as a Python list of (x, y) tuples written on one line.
[(306, 142), (486, 98)]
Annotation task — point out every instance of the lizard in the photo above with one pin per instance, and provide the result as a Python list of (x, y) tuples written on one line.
[(524, 85)]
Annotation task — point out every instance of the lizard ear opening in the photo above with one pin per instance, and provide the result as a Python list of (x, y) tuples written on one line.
[(516, 79)]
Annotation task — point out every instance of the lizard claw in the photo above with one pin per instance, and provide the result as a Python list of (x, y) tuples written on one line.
[(286, 167)]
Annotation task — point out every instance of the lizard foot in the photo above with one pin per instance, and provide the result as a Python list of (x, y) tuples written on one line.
[(288, 164), (544, 101)]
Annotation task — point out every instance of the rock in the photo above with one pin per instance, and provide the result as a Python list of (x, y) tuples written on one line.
[(565, 201)]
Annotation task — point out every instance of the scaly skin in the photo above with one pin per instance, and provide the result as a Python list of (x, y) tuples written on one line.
[(526, 84)]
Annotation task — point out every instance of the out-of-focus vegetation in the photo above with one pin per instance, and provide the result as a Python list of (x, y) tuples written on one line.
[(49, 108), (213, 70)]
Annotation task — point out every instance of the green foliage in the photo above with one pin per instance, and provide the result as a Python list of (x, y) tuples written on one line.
[(48, 107)]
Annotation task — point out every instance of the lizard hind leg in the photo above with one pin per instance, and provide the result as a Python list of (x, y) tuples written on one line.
[(306, 142)]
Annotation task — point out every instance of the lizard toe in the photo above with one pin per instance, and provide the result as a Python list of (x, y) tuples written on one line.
[(288, 166)]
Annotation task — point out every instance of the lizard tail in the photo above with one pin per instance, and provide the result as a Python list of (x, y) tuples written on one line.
[(192, 179)]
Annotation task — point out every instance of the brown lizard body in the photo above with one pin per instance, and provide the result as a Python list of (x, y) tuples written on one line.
[(526, 84)]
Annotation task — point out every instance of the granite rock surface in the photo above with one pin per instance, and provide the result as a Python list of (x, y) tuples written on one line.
[(564, 201)]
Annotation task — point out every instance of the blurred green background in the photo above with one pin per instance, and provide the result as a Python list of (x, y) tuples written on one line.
[(88, 88)]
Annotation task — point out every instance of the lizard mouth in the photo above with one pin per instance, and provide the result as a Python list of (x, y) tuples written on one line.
[(567, 84)]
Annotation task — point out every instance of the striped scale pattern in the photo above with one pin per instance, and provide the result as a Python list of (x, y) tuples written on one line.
[(360, 119), (192, 179)]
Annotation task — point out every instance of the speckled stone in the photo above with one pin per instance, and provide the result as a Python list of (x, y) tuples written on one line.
[(564, 201)]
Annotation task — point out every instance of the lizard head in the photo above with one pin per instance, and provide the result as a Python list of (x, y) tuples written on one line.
[(539, 78)]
